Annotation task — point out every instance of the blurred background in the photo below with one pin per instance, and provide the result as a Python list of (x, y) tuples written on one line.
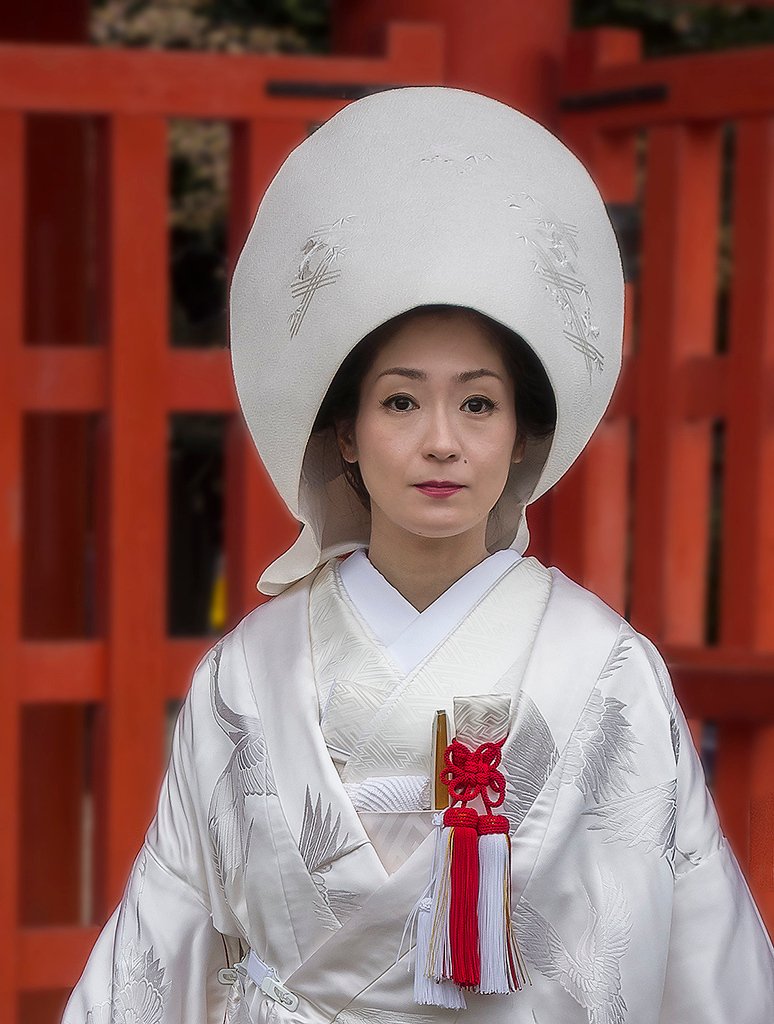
[(136, 139)]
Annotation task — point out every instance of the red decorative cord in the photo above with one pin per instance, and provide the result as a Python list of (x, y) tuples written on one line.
[(472, 773)]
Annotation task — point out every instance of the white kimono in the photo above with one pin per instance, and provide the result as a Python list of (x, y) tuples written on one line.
[(628, 904)]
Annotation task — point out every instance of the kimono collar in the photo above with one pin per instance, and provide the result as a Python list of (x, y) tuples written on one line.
[(410, 635)]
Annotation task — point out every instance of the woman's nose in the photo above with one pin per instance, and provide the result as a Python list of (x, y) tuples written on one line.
[(440, 440)]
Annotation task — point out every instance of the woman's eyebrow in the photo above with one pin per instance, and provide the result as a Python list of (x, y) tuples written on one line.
[(469, 375), (461, 378), (404, 371)]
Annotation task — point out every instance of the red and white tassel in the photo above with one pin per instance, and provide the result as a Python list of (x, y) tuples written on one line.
[(502, 966), (465, 938), (463, 899)]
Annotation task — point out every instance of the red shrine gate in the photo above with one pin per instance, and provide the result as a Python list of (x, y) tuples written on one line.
[(672, 504)]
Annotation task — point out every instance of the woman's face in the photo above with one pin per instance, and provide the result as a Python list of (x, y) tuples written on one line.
[(435, 433)]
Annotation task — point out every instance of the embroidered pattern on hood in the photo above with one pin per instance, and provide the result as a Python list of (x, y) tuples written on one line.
[(459, 162), (316, 268), (554, 244)]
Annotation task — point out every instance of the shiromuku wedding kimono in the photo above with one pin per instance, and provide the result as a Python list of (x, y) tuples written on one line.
[(294, 841)]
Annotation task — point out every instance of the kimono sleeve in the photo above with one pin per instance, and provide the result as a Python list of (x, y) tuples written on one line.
[(720, 964), (157, 959)]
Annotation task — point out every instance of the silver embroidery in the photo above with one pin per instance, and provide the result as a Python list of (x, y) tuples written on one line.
[(690, 858), (99, 1014), (618, 655), (554, 244), (319, 842), (320, 845), (139, 990), (645, 819), (528, 761), (342, 903), (248, 773), (316, 268), (460, 162), (369, 1015), (592, 975), (598, 755)]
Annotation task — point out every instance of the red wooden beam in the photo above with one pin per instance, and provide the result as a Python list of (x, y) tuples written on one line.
[(677, 301), (715, 86), (12, 203), (725, 694), (64, 671), (75, 79), (181, 658), (748, 512), (138, 263), (51, 958), (199, 380), (61, 378)]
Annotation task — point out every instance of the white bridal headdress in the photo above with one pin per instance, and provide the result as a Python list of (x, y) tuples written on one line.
[(406, 198)]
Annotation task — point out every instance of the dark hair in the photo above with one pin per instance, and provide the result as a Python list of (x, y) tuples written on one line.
[(533, 395)]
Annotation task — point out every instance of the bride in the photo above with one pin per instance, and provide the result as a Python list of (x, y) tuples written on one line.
[(426, 330)]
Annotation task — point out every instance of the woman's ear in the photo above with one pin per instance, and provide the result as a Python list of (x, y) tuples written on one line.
[(345, 437), (519, 449)]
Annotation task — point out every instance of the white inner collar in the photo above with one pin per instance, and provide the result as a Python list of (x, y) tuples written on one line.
[(410, 635)]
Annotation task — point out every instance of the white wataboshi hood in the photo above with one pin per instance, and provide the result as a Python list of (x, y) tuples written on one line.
[(407, 198)]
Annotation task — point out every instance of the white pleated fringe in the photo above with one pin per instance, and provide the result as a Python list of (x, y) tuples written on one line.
[(493, 904), (428, 991), (431, 988)]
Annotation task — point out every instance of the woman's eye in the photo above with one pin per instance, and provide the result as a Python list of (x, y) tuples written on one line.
[(400, 403), (477, 405)]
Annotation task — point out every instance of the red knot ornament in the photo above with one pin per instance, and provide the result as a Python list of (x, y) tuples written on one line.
[(471, 773)]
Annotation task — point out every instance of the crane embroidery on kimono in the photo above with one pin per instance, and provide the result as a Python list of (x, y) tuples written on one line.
[(599, 754), (645, 819), (320, 846), (592, 975), (139, 988), (369, 1015), (529, 758), (248, 773), (619, 653)]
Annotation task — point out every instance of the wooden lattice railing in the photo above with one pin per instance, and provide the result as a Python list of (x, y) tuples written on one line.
[(670, 514), (133, 384)]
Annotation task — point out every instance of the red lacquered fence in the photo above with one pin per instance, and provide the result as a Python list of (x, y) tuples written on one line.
[(670, 514), (656, 517), (132, 383)]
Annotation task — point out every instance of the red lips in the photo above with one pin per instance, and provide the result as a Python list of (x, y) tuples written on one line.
[(439, 488)]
